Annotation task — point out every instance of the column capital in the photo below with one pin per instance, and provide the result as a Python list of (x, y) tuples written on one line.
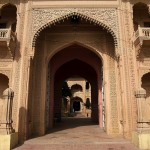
[(140, 93)]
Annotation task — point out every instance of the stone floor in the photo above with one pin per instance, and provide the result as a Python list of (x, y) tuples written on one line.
[(76, 133)]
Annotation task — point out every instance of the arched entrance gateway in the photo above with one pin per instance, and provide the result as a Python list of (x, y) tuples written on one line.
[(74, 59), (73, 47), (71, 61)]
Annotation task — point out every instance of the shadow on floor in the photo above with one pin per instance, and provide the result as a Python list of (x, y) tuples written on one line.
[(71, 122)]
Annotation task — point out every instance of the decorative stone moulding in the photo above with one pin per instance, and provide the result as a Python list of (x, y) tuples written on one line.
[(105, 17), (140, 93)]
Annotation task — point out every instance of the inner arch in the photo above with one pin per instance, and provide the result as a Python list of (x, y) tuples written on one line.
[(76, 60), (73, 52), (76, 67)]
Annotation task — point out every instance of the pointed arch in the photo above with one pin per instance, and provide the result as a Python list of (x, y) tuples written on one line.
[(141, 4), (89, 47), (76, 87), (145, 3), (7, 4), (8, 13), (82, 16), (77, 98)]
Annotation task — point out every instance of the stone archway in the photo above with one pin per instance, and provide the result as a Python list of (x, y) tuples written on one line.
[(73, 60), (90, 44)]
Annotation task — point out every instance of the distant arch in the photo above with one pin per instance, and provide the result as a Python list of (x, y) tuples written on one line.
[(76, 88), (77, 98)]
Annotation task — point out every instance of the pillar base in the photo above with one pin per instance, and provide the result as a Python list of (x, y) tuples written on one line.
[(141, 139), (8, 141)]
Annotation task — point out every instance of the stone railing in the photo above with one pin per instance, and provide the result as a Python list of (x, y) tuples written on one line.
[(8, 38), (143, 33), (5, 34)]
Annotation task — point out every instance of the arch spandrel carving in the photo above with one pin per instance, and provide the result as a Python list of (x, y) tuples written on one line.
[(105, 17)]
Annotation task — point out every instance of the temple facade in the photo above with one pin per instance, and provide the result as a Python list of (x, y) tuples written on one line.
[(46, 42)]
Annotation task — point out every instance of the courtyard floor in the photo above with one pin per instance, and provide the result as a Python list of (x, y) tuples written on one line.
[(77, 133)]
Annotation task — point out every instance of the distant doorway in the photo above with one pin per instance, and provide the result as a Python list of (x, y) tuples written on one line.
[(76, 106)]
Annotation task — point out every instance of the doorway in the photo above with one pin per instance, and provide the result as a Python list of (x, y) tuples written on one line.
[(67, 50), (73, 61)]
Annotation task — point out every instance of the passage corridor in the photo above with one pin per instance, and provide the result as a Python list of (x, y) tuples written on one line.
[(77, 133)]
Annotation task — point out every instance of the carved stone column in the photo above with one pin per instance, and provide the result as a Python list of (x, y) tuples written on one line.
[(142, 120), (141, 137), (8, 136), (6, 119)]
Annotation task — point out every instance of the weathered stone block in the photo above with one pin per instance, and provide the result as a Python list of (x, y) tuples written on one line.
[(141, 139), (8, 141)]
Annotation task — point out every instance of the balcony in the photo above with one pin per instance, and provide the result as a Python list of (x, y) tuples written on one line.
[(5, 34), (142, 38), (142, 35), (8, 40)]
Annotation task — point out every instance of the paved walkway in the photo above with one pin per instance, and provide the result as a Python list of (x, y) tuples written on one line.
[(77, 133)]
